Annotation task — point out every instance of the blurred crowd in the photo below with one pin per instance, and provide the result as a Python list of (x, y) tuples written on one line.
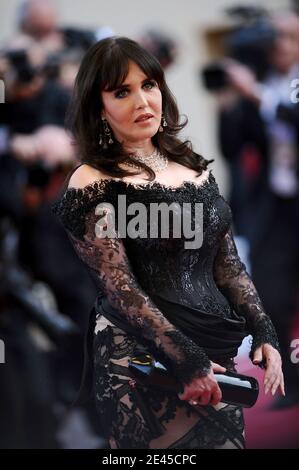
[(258, 134), (46, 294)]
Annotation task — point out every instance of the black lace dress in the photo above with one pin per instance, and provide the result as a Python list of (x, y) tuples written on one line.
[(185, 306)]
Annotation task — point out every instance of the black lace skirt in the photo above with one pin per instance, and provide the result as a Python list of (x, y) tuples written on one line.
[(134, 416)]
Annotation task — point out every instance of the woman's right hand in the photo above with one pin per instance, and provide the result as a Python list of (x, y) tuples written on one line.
[(204, 390)]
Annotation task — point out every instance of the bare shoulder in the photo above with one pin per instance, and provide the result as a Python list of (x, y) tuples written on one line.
[(84, 176)]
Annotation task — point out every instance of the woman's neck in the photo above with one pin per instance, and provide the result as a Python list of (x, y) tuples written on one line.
[(142, 149)]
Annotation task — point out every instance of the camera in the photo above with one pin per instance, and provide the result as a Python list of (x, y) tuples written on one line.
[(19, 61), (76, 38), (250, 44)]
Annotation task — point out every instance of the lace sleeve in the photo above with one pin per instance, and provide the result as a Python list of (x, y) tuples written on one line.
[(111, 269), (236, 285)]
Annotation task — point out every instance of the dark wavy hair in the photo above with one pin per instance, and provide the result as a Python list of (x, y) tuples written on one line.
[(105, 67)]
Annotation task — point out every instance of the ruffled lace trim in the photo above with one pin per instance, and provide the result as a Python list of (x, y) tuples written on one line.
[(73, 206)]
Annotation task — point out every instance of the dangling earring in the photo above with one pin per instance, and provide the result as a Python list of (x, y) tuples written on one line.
[(164, 123), (107, 135), (107, 132)]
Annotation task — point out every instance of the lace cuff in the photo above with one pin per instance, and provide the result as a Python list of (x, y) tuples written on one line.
[(263, 331), (195, 364)]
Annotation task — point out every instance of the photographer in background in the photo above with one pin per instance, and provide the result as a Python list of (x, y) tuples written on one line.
[(259, 137), (39, 66), (38, 20)]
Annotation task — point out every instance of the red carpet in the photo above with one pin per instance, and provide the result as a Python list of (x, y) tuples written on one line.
[(265, 428)]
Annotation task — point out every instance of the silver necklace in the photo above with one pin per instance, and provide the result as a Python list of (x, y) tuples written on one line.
[(156, 161)]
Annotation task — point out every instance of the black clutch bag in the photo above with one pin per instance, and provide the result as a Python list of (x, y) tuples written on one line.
[(237, 389)]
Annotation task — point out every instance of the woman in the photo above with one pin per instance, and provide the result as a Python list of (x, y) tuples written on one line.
[(189, 308)]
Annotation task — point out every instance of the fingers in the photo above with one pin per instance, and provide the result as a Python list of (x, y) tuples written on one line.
[(193, 402), (203, 390), (217, 367), (258, 355), (203, 400), (216, 397), (190, 393), (276, 384), (281, 385), (210, 396), (273, 382), (270, 380), (279, 382), (273, 376)]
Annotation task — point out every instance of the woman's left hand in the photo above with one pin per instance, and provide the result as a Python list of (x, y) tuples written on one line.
[(273, 375)]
